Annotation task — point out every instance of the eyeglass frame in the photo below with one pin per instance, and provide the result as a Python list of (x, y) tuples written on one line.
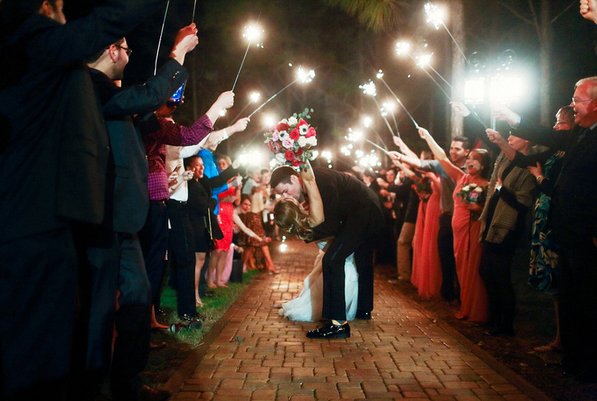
[(127, 50), (574, 101)]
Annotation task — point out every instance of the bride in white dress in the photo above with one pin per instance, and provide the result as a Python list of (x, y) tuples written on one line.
[(307, 306), (294, 218)]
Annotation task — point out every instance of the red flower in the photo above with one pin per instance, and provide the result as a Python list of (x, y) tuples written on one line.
[(282, 127), (296, 162), (310, 133), (294, 134), (299, 152), (289, 155)]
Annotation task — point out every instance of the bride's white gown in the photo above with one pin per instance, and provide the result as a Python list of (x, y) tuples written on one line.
[(307, 306)]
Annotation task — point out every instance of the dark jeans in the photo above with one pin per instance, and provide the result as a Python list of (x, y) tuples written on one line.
[(37, 299), (495, 269), (578, 300), (445, 245), (154, 240), (182, 255)]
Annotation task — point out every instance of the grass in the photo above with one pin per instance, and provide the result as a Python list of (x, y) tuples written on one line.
[(165, 361)]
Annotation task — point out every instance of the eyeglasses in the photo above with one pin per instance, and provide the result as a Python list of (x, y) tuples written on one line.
[(127, 50), (576, 100)]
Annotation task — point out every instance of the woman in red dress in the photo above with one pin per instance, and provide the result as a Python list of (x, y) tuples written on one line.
[(469, 195)]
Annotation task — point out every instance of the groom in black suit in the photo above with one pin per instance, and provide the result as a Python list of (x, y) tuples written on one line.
[(353, 217)]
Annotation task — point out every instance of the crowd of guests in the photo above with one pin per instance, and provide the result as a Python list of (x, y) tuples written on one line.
[(457, 218)]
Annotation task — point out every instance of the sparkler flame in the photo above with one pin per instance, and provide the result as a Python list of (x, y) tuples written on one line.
[(435, 15), (369, 88), (402, 48), (424, 60), (253, 33), (304, 76), (254, 96)]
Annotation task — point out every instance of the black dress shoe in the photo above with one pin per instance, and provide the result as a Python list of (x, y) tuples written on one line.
[(191, 321), (363, 315), (330, 331)]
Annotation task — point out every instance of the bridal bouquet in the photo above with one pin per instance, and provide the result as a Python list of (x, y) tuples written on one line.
[(292, 140), (472, 193)]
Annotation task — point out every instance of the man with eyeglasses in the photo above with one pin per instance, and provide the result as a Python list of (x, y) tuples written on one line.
[(48, 110), (111, 250), (573, 214)]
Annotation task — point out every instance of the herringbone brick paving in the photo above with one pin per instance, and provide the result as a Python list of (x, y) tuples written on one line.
[(401, 354)]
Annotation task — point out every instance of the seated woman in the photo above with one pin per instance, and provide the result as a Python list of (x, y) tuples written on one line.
[(253, 221), (295, 219)]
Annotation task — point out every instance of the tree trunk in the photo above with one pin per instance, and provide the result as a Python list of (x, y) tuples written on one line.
[(458, 65)]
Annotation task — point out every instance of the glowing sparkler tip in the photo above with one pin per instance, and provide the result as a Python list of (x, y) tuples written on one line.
[(424, 60), (305, 76), (254, 96), (369, 88), (379, 74), (402, 48), (253, 33), (435, 15)]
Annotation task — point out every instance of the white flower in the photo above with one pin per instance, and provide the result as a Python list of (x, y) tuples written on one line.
[(466, 188), (302, 141), (280, 158), (312, 141), (288, 143), (283, 135), (291, 121), (478, 189), (275, 136), (303, 129)]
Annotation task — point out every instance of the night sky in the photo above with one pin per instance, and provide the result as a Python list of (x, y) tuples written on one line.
[(345, 54)]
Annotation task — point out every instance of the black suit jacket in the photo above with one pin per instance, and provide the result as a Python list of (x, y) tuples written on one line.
[(54, 143), (127, 200), (573, 211), (344, 195)]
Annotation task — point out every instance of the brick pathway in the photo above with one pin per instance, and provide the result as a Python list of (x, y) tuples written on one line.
[(402, 354)]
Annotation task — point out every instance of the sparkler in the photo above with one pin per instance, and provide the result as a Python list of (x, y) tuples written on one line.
[(252, 33), (436, 16), (157, 52), (355, 136), (379, 76), (194, 8), (369, 89), (302, 75), (254, 97)]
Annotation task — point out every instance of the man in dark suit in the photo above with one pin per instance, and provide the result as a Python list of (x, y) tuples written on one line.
[(354, 218), (49, 117), (114, 259), (573, 216)]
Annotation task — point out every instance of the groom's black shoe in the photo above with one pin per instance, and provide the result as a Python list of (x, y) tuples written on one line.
[(363, 315), (330, 331)]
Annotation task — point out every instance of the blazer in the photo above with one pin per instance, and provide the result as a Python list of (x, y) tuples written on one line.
[(54, 151), (343, 196), (126, 197)]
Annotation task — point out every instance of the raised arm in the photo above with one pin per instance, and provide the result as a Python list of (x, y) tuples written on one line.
[(224, 102), (440, 155), (316, 214), (404, 148)]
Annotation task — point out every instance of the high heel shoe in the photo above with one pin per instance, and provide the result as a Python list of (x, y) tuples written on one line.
[(198, 303)]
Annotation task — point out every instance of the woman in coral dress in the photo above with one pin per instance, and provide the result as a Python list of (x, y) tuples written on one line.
[(469, 197), (426, 262)]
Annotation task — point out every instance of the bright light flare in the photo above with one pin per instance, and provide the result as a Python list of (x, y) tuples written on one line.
[(424, 60), (474, 91), (379, 74), (435, 15), (345, 150), (389, 105), (326, 154), (507, 88), (222, 112), (369, 88), (367, 121), (354, 136), (252, 157), (254, 97), (304, 76), (253, 33), (269, 120), (370, 160), (402, 48), (283, 247)]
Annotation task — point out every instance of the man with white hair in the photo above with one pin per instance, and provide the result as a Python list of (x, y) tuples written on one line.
[(573, 214)]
